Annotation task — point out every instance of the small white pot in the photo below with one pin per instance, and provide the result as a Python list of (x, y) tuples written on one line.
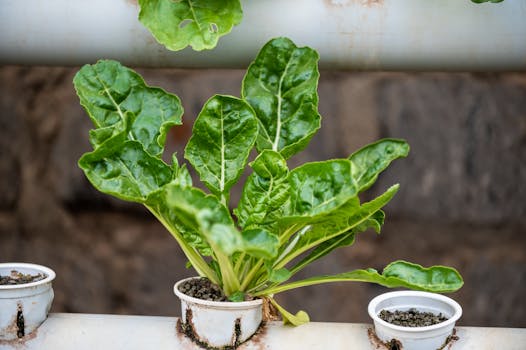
[(415, 338), (217, 323), (23, 307)]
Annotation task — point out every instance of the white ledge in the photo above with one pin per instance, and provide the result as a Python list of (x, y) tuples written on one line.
[(88, 332), (348, 34)]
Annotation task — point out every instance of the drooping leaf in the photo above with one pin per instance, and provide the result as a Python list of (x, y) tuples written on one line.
[(117, 99), (195, 23), (279, 275), (222, 137), (372, 159), (265, 191), (281, 87), (437, 279), (300, 318), (125, 170)]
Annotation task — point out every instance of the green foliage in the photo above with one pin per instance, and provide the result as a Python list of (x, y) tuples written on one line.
[(286, 218), (196, 23)]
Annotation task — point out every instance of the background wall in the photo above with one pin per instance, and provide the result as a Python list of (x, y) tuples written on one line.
[(461, 203)]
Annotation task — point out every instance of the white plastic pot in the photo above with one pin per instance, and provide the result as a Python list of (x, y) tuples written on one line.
[(216, 323), (24, 307), (415, 338)]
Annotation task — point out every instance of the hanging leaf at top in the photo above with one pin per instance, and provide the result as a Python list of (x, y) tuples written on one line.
[(195, 23)]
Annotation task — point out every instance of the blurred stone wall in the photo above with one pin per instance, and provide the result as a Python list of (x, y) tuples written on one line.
[(462, 197)]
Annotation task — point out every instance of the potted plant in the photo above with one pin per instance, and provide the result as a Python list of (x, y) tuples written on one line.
[(414, 320), (285, 219), (26, 295)]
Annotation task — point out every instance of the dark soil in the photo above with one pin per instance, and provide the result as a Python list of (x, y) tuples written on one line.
[(20, 278), (411, 318), (202, 288)]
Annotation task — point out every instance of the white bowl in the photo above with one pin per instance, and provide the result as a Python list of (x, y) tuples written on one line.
[(26, 304), (219, 323), (415, 338)]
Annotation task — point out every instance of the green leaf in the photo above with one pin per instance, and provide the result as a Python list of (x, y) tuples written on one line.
[(237, 297), (279, 275), (125, 170), (117, 99), (437, 279), (281, 87), (372, 159), (260, 243), (222, 137), (319, 187), (349, 216), (198, 23), (265, 192), (300, 318), (346, 239)]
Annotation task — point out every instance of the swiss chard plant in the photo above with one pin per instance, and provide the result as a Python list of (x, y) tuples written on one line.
[(286, 218)]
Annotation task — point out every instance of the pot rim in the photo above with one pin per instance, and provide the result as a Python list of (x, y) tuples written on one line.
[(385, 296), (216, 304), (50, 275)]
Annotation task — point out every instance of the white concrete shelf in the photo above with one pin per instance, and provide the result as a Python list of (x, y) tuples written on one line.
[(88, 332)]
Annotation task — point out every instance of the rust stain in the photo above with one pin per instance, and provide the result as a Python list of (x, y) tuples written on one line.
[(450, 340), (394, 344), (20, 343), (132, 2), (257, 340)]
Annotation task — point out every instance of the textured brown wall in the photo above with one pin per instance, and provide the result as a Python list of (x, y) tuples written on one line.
[(461, 201)]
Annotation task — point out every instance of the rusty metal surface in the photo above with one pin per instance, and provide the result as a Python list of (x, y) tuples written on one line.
[(349, 34), (88, 331)]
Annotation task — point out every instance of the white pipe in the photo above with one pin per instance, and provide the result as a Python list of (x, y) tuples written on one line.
[(88, 332), (349, 34)]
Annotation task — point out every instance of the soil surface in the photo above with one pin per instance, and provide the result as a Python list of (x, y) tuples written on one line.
[(411, 318), (20, 278), (202, 288)]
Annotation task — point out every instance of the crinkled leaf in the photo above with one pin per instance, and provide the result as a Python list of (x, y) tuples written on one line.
[(198, 23), (265, 191), (372, 159), (117, 99), (319, 187), (281, 87), (437, 279), (222, 137), (125, 170)]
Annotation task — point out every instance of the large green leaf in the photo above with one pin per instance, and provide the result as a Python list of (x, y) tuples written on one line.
[(222, 137), (265, 191), (125, 170), (117, 99), (319, 187), (372, 159), (281, 87), (438, 279), (198, 23)]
